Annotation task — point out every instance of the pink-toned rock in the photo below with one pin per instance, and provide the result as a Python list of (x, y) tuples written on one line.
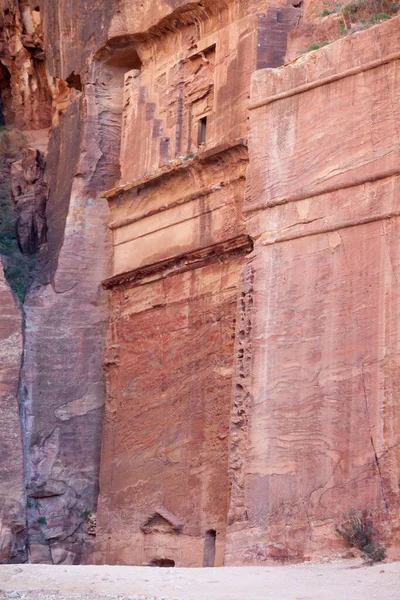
[(26, 88), (252, 303), (318, 31), (179, 250), (63, 391), (40, 554), (323, 419), (29, 193), (12, 517)]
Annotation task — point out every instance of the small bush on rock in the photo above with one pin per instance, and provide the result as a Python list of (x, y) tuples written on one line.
[(371, 11), (379, 18), (314, 46), (11, 142), (359, 533)]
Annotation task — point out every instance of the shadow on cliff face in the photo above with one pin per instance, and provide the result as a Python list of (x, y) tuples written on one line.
[(66, 316), (19, 267)]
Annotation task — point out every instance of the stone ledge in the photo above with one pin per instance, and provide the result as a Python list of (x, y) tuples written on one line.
[(177, 167), (377, 46), (201, 193), (326, 80), (240, 245), (307, 194)]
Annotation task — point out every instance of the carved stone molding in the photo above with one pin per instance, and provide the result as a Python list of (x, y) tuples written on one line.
[(178, 264)]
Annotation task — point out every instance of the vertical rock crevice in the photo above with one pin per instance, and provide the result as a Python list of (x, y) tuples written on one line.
[(66, 313), (240, 412)]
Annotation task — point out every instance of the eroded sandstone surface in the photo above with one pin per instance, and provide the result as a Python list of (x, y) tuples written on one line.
[(12, 517), (323, 382), (209, 332)]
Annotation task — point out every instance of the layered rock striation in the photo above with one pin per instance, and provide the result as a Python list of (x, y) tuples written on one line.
[(179, 248), (323, 421), (209, 338)]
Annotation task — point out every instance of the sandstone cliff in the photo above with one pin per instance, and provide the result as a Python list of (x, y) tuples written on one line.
[(12, 501), (203, 370)]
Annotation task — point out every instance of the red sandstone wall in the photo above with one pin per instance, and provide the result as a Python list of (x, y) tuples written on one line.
[(169, 370), (296, 345), (179, 246), (323, 413), (185, 77)]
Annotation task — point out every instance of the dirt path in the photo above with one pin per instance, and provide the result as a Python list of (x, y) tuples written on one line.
[(335, 581)]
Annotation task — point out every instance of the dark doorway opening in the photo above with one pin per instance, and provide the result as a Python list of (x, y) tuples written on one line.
[(202, 131), (162, 562), (209, 548)]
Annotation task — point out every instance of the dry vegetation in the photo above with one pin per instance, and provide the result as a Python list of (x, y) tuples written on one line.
[(356, 15)]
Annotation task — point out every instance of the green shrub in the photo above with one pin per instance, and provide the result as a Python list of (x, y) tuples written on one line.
[(330, 10), (379, 18), (315, 46), (42, 521), (359, 533), (353, 7), (376, 11), (86, 514)]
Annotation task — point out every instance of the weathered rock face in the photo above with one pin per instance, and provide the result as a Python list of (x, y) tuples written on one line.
[(12, 497), (179, 249), (250, 292), (61, 389), (313, 419), (29, 193), (323, 434), (27, 104), (324, 21), (165, 449)]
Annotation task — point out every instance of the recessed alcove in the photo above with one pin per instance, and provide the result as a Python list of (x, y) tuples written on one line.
[(162, 562), (112, 64), (210, 539)]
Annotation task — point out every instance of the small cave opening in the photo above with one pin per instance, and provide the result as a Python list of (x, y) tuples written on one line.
[(209, 548), (162, 562), (74, 81)]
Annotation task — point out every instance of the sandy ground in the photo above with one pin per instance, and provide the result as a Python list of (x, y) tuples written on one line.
[(346, 580)]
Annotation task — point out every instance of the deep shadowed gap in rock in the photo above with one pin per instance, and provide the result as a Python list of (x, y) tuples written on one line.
[(202, 131), (6, 112), (74, 81)]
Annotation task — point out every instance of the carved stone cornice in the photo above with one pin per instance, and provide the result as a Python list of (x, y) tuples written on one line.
[(181, 165), (188, 261)]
